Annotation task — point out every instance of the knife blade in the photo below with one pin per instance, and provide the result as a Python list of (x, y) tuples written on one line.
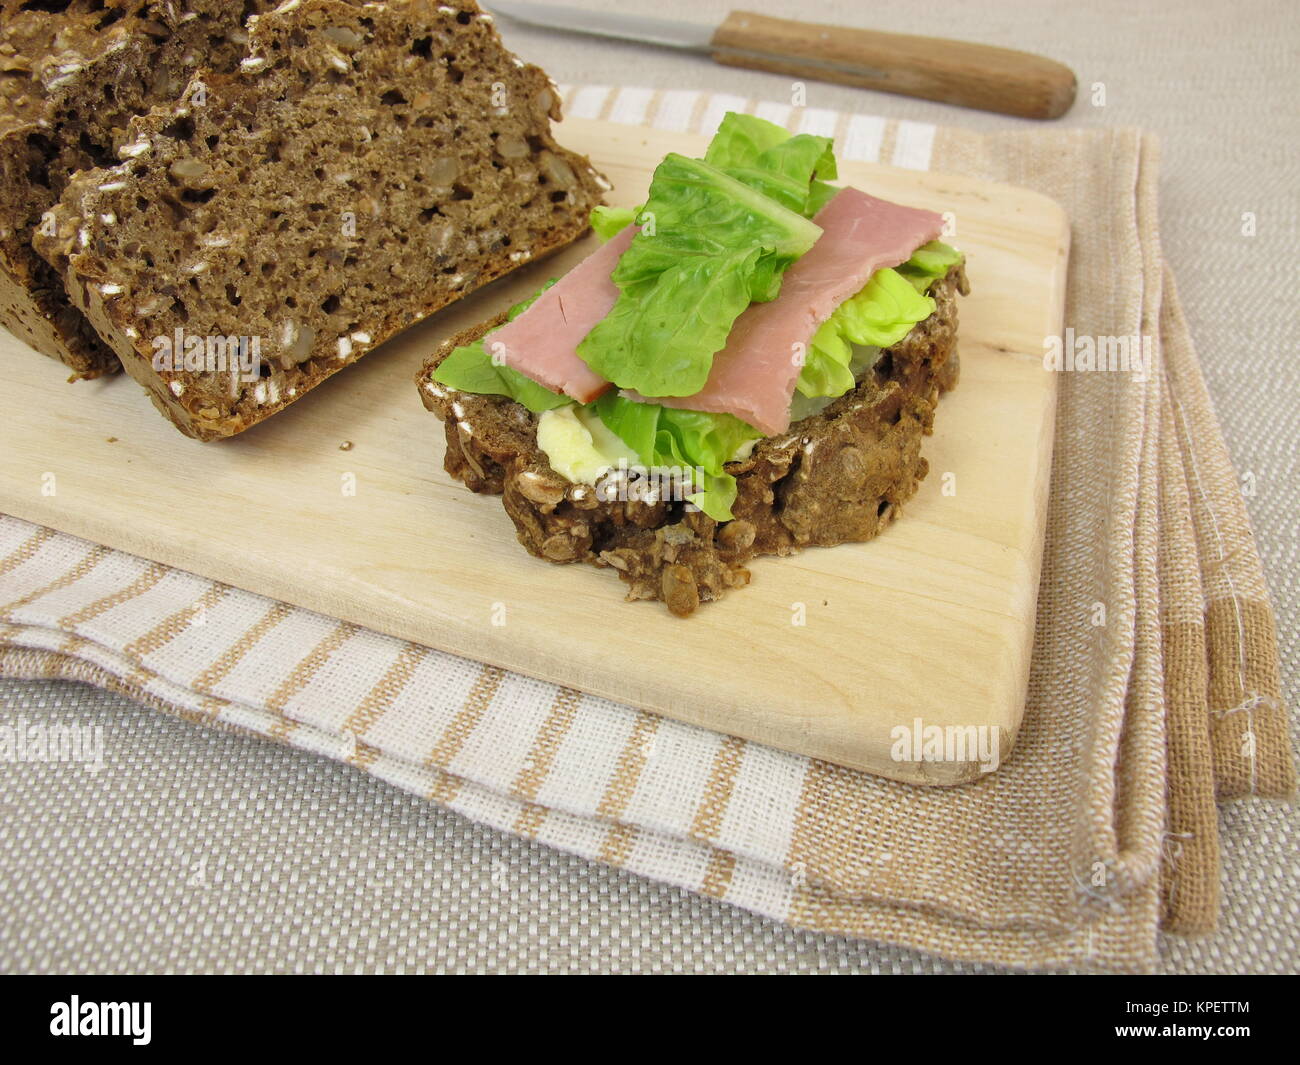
[(982, 76)]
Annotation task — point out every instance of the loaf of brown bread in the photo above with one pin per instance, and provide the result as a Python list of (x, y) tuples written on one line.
[(839, 475), (366, 166), (72, 74)]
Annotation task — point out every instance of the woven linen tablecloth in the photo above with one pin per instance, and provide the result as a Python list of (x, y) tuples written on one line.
[(1102, 821)]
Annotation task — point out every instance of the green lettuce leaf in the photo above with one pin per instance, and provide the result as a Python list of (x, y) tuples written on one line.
[(702, 438), (768, 158), (718, 497), (825, 370), (634, 423), (740, 139), (685, 439), (819, 195), (884, 312), (610, 221), (709, 246), (470, 369), (929, 263)]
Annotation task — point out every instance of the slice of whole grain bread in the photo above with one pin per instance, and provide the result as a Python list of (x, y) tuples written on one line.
[(72, 75), (839, 475), (366, 166)]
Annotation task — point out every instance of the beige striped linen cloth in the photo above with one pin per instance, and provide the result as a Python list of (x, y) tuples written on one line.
[(1101, 827)]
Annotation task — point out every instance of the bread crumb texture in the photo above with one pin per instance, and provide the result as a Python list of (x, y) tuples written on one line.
[(72, 75), (363, 166)]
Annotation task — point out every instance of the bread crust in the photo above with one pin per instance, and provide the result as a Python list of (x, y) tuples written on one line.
[(837, 476)]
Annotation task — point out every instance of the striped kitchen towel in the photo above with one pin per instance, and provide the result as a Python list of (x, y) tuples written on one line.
[(1101, 827)]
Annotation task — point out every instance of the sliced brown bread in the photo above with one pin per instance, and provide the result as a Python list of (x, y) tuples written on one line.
[(836, 476), (367, 166), (72, 74)]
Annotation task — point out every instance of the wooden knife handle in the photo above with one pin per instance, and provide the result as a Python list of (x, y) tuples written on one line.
[(952, 72)]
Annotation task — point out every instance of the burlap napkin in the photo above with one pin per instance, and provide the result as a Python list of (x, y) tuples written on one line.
[(1154, 688)]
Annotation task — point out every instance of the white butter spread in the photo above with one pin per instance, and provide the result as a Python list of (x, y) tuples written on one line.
[(579, 446), (744, 451)]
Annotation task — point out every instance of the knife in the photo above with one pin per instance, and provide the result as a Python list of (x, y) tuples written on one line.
[(953, 72)]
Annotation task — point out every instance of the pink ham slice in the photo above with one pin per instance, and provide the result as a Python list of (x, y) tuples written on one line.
[(542, 343), (754, 375)]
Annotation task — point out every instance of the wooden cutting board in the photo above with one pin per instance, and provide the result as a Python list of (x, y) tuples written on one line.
[(824, 653)]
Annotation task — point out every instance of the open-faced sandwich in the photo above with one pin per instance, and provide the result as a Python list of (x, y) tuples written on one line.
[(746, 367)]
